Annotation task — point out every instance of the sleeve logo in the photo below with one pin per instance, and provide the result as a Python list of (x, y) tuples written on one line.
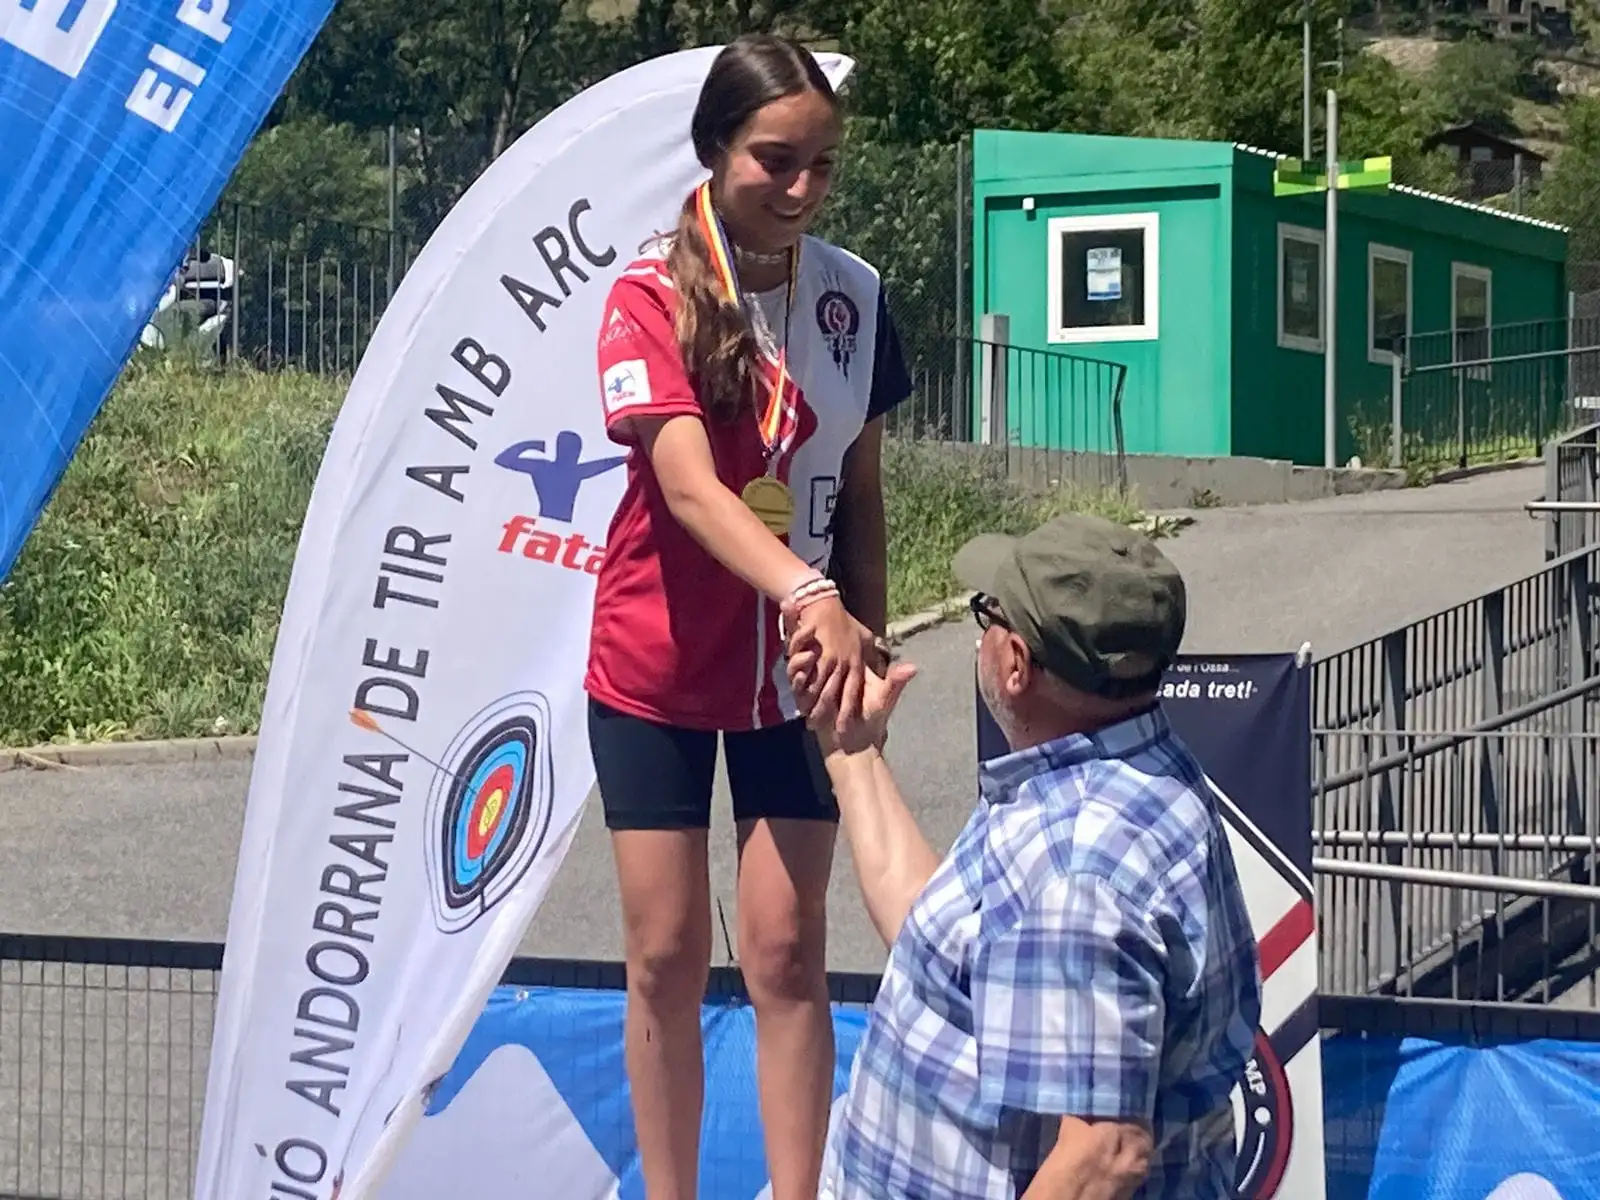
[(618, 326), (626, 384)]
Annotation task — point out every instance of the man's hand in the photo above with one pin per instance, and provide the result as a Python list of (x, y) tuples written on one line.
[(879, 696), (892, 858)]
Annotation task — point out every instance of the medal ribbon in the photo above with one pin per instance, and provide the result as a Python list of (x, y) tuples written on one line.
[(771, 421)]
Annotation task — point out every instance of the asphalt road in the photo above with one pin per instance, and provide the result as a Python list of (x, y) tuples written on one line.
[(91, 851)]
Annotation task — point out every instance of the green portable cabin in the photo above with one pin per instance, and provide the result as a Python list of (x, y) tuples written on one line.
[(1176, 260)]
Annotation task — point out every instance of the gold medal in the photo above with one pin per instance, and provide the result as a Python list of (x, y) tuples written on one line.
[(772, 501)]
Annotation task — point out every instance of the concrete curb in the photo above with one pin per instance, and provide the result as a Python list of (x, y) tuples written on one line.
[(122, 754), (181, 750), (1511, 464), (906, 627)]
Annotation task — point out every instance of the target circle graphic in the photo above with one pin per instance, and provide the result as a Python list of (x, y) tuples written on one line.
[(489, 808), (1264, 1111)]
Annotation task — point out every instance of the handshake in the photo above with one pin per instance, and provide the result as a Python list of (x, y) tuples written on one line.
[(842, 676)]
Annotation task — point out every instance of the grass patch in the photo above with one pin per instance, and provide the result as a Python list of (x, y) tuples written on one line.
[(146, 602), (1424, 461), (938, 496)]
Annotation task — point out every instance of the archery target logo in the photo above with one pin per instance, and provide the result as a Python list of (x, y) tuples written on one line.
[(489, 808)]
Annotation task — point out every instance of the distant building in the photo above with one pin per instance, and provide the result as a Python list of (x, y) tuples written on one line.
[(1178, 263), (1489, 164), (1548, 17)]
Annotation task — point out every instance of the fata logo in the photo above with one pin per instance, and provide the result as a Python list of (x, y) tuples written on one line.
[(626, 385), (574, 552), (557, 478)]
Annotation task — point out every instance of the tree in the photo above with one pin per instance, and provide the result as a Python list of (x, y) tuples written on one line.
[(1571, 192), (1477, 81), (313, 166), (1249, 79), (1133, 65), (1384, 110), (935, 69)]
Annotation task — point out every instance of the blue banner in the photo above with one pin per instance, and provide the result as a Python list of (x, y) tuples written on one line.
[(537, 1103), (1416, 1119), (1406, 1119), (120, 123)]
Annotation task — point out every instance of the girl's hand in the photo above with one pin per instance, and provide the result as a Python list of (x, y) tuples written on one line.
[(844, 650)]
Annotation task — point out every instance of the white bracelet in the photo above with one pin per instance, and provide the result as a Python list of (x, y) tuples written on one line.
[(812, 577), (816, 588)]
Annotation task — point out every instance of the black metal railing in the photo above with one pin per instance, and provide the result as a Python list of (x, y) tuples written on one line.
[(1048, 418), (1469, 397), (1571, 503), (1457, 789)]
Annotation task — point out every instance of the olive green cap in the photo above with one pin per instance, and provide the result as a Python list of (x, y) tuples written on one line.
[(1097, 603)]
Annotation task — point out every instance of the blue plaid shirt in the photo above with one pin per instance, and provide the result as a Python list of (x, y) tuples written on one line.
[(1083, 949)]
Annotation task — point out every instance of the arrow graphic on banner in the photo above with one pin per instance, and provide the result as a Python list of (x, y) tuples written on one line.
[(367, 721)]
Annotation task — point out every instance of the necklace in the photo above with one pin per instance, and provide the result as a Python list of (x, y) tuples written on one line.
[(756, 258), (766, 495)]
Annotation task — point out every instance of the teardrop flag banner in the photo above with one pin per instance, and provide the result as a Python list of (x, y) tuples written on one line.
[(120, 123), (423, 757)]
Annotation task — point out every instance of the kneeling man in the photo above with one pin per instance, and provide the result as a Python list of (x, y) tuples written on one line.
[(1072, 991)]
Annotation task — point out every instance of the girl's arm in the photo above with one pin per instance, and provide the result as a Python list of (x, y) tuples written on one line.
[(860, 555), (680, 455)]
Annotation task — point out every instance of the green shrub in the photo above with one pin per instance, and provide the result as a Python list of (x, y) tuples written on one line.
[(937, 496), (146, 601)]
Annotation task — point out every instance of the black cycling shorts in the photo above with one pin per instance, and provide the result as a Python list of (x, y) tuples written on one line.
[(655, 776)]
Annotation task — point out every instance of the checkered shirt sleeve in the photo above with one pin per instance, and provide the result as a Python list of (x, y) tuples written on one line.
[(1068, 1006)]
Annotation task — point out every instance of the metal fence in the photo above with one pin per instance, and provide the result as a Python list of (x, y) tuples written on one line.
[(1457, 805), (1510, 183), (308, 292), (1466, 397), (305, 294), (1571, 503), (1048, 417), (105, 1046)]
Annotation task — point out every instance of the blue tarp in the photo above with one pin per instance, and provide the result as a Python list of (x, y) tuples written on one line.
[(1414, 1119)]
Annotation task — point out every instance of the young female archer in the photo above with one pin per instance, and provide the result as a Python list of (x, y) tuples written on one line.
[(747, 366)]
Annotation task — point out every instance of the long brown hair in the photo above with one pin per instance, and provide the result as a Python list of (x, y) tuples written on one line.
[(714, 335)]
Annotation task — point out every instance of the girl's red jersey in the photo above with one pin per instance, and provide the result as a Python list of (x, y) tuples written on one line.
[(677, 637)]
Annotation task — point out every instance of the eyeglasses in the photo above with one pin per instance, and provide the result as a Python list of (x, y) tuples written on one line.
[(986, 612)]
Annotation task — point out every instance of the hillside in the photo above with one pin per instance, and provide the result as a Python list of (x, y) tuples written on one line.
[(1540, 126)]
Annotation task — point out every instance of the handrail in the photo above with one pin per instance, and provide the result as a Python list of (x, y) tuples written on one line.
[(1121, 369), (1368, 839), (1539, 506), (1532, 356), (1463, 880), (1400, 758)]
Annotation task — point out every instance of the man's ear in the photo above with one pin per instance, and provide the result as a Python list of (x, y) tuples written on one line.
[(1019, 665)]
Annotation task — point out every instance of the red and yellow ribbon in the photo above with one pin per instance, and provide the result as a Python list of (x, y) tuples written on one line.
[(771, 421)]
